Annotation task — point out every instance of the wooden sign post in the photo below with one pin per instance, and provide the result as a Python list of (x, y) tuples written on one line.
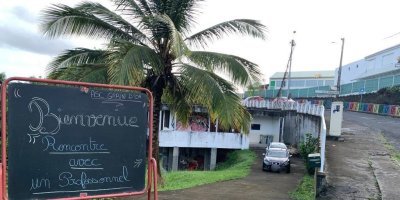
[(74, 140)]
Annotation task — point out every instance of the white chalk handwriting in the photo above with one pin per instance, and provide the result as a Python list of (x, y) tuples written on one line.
[(67, 179)]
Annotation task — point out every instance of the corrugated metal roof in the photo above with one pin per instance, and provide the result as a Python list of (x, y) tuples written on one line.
[(383, 51), (306, 74)]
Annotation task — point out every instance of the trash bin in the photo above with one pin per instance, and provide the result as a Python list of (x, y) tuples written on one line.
[(314, 160)]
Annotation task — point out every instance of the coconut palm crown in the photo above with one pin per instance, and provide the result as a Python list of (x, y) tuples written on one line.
[(148, 44)]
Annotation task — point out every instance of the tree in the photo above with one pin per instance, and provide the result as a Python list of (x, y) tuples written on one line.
[(253, 88), (148, 45), (2, 77)]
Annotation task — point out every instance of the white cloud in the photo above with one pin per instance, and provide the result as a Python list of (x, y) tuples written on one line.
[(364, 24)]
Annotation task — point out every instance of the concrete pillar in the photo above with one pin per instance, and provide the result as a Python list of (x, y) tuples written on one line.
[(213, 158), (320, 182), (207, 156), (210, 159), (174, 158)]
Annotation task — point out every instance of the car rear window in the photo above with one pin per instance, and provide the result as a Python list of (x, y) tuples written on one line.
[(277, 154), (278, 146)]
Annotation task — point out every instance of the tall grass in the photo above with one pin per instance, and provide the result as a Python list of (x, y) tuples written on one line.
[(236, 166), (305, 190)]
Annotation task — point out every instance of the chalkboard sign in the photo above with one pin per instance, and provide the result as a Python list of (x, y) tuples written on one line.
[(65, 140)]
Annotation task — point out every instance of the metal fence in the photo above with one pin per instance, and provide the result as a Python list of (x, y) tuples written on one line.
[(370, 85), (295, 93), (305, 108), (358, 87)]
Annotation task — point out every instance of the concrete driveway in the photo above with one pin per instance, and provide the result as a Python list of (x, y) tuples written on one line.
[(259, 185)]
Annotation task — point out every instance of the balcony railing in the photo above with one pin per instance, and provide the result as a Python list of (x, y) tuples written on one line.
[(203, 139), (305, 108)]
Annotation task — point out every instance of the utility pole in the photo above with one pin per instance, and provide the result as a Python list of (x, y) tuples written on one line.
[(287, 74), (292, 44), (340, 69)]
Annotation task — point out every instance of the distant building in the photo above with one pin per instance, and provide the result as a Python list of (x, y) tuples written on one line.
[(380, 64), (370, 74), (302, 84), (303, 79), (375, 71)]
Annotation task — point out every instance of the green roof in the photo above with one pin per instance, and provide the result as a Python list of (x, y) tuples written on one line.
[(306, 74)]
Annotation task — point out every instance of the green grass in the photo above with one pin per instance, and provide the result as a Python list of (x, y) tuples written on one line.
[(305, 190), (393, 152), (237, 166)]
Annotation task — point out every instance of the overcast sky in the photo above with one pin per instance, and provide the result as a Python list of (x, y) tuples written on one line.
[(365, 24)]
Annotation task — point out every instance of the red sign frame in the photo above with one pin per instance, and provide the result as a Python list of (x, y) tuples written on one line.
[(152, 164)]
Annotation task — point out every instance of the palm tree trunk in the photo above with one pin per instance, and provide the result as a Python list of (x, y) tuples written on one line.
[(156, 122)]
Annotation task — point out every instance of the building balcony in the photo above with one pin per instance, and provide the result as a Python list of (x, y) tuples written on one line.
[(191, 139)]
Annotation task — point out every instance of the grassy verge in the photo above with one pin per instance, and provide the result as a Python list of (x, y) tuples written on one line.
[(237, 166), (393, 152), (305, 190)]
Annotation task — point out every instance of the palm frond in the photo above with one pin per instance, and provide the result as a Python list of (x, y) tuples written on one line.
[(128, 62), (62, 20), (129, 7), (238, 26), (177, 97), (176, 44), (145, 7), (182, 13), (112, 18), (93, 73), (76, 57), (240, 70), (222, 102)]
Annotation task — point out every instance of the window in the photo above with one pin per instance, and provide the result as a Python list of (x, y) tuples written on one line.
[(329, 82), (311, 83), (388, 60), (297, 83), (371, 64), (165, 119), (272, 84), (278, 84), (255, 127)]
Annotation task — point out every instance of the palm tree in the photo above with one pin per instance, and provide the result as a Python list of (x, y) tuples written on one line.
[(2, 77), (149, 44)]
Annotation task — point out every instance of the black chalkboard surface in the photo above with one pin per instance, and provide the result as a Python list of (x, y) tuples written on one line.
[(64, 141)]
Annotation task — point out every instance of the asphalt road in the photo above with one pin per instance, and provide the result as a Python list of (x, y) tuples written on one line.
[(360, 166), (388, 126)]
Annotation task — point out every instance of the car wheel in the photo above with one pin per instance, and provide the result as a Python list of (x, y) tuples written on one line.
[(288, 169)]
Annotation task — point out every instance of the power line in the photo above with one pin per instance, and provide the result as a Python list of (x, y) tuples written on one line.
[(391, 36)]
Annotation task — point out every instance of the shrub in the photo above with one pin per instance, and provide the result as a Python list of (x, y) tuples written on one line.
[(309, 145)]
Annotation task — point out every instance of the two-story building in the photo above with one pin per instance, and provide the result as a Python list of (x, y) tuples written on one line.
[(202, 143), (375, 71)]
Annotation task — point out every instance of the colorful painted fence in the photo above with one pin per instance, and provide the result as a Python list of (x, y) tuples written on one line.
[(381, 109)]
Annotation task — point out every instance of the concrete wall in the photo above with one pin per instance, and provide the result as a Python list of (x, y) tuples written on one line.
[(297, 125), (203, 139), (268, 126)]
